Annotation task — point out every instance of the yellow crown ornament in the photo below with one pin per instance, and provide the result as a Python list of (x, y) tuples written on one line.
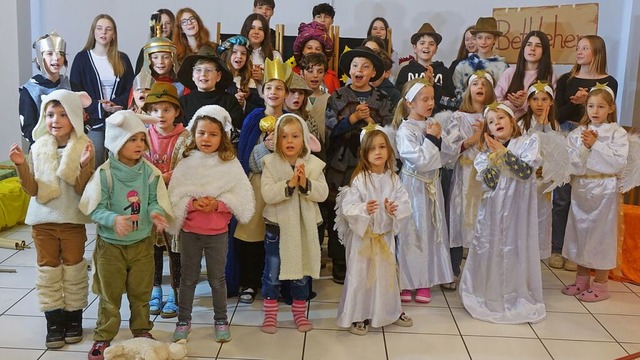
[(276, 69)]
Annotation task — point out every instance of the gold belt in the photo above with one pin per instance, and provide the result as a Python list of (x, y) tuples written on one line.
[(375, 247), (595, 176)]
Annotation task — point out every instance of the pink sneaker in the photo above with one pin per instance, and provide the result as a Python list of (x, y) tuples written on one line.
[(405, 296), (423, 295)]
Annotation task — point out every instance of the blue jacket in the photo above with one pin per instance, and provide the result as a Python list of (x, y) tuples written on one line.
[(83, 72)]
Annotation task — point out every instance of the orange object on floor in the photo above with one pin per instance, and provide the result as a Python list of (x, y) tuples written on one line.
[(628, 269)]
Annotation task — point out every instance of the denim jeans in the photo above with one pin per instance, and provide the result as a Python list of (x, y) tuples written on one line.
[(270, 277)]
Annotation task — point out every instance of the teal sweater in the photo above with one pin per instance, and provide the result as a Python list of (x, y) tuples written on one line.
[(128, 183)]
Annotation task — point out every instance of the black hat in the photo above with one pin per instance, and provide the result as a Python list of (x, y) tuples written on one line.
[(365, 52), (185, 74)]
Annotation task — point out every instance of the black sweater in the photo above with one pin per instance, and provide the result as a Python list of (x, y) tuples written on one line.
[(565, 88), (196, 99)]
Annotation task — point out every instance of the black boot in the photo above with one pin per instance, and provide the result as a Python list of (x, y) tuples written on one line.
[(55, 329), (73, 322), (339, 271)]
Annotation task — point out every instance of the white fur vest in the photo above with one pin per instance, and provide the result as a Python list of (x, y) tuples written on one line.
[(206, 175)]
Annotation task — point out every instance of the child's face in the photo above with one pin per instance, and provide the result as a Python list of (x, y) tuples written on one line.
[(238, 57), (470, 42), (485, 43), (324, 19), (166, 113), (313, 76), (206, 76), (291, 141), (274, 93), (533, 50), (361, 72), (104, 32), (139, 96), (584, 55), (539, 103), (312, 46), (425, 48), (161, 62), (133, 149), (422, 105), (189, 24), (500, 125), (478, 90), (165, 21), (53, 61), (264, 10), (208, 136), (378, 29), (58, 123), (294, 99), (598, 110), (378, 154), (256, 34)]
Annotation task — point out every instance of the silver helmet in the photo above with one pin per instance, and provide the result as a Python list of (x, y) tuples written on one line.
[(49, 42)]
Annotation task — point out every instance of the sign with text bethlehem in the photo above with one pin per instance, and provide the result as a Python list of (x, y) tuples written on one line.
[(563, 24)]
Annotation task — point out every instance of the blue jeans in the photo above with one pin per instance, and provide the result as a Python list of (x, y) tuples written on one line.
[(270, 277)]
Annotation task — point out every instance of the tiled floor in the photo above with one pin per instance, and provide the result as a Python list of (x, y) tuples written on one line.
[(442, 329)]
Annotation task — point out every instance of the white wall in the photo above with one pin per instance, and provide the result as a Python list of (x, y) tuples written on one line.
[(72, 18), (14, 65)]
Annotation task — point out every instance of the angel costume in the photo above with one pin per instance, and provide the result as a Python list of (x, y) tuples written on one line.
[(549, 153), (465, 189), (501, 281), (423, 245), (371, 285), (592, 227)]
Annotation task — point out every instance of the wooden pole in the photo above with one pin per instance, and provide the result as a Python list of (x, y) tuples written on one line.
[(218, 31), (390, 42)]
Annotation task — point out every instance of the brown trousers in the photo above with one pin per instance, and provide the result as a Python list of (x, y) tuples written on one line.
[(58, 244)]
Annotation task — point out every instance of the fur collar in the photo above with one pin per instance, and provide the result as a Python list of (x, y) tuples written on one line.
[(206, 175), (49, 167)]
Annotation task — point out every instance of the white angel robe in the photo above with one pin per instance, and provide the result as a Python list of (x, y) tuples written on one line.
[(423, 245), (501, 281), (370, 288), (592, 228), (466, 191), (544, 199)]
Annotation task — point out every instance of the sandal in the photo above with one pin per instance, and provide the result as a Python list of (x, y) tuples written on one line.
[(155, 304), (452, 286), (247, 296)]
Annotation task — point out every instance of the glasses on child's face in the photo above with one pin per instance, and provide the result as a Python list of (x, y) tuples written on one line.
[(185, 22), (203, 70)]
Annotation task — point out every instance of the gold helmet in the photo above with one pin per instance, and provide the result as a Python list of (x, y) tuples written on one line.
[(155, 45)]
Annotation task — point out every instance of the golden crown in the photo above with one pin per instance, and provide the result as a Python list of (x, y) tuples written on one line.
[(276, 69)]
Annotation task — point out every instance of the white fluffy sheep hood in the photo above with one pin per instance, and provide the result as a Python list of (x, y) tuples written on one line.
[(201, 175)]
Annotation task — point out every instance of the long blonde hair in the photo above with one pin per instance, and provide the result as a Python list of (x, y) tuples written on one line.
[(284, 121), (113, 55), (467, 101), (402, 110), (599, 50)]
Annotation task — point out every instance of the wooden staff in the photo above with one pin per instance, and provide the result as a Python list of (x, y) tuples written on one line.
[(218, 31), (390, 42), (334, 33), (13, 244)]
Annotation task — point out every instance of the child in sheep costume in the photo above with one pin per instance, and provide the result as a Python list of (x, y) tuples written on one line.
[(61, 164), (125, 197)]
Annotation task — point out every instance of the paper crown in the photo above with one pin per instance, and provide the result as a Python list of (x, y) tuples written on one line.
[(276, 69), (370, 127), (495, 106), (540, 86), (605, 88), (480, 74)]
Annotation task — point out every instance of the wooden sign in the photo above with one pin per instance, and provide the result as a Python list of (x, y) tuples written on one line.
[(563, 24)]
